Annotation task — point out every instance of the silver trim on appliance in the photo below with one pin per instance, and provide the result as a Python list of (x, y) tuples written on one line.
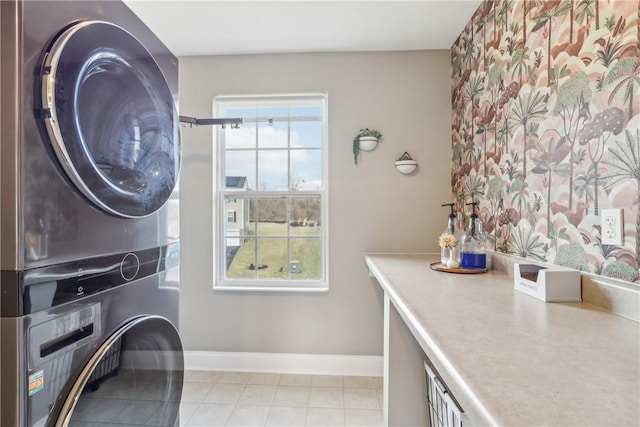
[(51, 122), (11, 42)]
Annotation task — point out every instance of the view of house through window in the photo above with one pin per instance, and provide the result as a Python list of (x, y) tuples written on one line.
[(272, 192)]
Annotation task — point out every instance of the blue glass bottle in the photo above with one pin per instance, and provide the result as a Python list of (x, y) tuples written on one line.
[(473, 253)]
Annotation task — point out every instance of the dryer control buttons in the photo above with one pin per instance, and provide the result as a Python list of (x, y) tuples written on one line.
[(130, 266)]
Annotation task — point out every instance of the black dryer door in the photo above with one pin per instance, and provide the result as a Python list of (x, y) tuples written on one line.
[(134, 378), (111, 118)]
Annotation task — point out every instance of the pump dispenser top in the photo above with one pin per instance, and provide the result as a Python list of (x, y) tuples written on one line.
[(451, 225)]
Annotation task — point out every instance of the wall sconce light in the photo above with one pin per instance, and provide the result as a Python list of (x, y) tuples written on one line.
[(405, 164)]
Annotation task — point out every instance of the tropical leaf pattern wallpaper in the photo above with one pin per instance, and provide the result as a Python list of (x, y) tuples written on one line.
[(546, 128)]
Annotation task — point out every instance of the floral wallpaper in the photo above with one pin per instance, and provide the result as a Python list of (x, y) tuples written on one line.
[(546, 128)]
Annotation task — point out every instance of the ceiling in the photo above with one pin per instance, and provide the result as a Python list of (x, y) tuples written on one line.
[(218, 27)]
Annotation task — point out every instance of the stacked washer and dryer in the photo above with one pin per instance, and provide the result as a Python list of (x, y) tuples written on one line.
[(90, 157)]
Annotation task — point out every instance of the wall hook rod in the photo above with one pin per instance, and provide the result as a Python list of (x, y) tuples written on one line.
[(234, 122)]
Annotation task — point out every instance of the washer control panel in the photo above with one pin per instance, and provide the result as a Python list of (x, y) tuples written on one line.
[(38, 289)]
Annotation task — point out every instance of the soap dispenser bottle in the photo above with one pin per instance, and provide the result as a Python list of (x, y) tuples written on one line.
[(446, 254), (473, 252)]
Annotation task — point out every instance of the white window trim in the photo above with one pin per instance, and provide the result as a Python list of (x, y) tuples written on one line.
[(219, 266)]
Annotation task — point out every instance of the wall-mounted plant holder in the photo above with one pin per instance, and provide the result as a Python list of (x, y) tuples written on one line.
[(366, 140), (405, 164), (368, 143)]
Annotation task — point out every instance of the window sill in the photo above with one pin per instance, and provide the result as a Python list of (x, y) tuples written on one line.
[(284, 288)]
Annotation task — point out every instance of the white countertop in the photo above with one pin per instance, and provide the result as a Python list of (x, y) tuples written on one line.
[(511, 359)]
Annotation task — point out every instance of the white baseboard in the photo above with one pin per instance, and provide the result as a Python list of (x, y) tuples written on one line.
[(284, 363)]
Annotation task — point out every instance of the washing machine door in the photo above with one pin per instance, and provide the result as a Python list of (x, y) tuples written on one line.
[(134, 378), (111, 118)]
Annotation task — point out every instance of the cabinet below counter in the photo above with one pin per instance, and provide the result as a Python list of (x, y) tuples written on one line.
[(507, 358)]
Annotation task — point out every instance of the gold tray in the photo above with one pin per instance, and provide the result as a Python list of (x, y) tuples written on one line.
[(438, 266)]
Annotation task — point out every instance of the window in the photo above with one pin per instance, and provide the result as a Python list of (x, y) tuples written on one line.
[(272, 177)]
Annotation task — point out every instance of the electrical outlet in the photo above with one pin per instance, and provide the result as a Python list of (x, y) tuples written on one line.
[(612, 227)]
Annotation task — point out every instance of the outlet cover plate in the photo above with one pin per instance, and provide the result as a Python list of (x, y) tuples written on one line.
[(612, 223)]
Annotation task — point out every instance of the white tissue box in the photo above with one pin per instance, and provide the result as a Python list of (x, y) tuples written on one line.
[(547, 284)]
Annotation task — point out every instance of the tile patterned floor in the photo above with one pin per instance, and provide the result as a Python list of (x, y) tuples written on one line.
[(258, 399)]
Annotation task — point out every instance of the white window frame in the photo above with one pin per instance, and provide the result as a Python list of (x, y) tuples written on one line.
[(221, 282)]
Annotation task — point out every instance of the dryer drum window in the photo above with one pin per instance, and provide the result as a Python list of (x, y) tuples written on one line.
[(134, 378), (111, 118)]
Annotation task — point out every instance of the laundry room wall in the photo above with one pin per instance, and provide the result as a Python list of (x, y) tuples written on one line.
[(372, 207)]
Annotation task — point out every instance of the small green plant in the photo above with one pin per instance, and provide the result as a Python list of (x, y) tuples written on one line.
[(356, 142)]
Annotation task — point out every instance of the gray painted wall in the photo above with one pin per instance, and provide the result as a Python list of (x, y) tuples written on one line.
[(372, 207)]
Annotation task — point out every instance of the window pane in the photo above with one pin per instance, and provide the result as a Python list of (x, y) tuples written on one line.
[(273, 112), (238, 212), (306, 170), (272, 169), (307, 110), (239, 260), (274, 135), (305, 216), (242, 112), (306, 257), (272, 216), (242, 137), (241, 164), (306, 134), (272, 259)]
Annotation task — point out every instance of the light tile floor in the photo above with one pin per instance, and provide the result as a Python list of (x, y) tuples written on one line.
[(259, 399)]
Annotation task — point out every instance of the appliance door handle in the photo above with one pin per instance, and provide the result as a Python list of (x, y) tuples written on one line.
[(65, 340)]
